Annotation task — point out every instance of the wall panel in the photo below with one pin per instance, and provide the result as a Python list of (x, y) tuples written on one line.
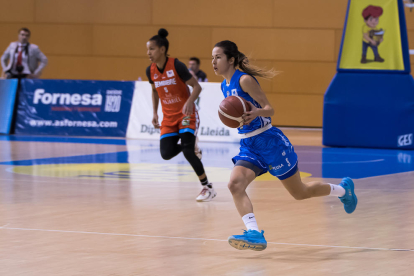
[(409, 17), (303, 77), (281, 44), (241, 13), (322, 14), (122, 12), (64, 39), (21, 11), (311, 45), (131, 41), (297, 110), (63, 11), (94, 68)]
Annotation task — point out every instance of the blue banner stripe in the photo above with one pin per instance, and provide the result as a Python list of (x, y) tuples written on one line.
[(8, 90)]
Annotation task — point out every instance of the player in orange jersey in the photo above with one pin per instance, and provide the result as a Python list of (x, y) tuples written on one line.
[(169, 79)]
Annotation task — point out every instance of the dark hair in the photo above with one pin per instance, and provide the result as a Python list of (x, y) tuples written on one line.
[(25, 29), (161, 39), (197, 60), (231, 51)]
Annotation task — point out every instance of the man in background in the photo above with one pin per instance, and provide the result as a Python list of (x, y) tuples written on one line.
[(22, 59), (194, 68)]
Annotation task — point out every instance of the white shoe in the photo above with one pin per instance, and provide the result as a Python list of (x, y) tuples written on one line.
[(197, 150), (206, 194)]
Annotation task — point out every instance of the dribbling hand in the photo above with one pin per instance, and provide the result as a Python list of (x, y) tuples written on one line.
[(249, 116)]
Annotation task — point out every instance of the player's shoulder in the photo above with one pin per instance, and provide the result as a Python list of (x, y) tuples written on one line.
[(247, 79), (178, 63)]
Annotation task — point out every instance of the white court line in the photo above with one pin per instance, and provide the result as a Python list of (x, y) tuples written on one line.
[(203, 239)]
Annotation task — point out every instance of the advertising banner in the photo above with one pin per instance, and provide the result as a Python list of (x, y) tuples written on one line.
[(7, 99), (73, 107), (211, 129)]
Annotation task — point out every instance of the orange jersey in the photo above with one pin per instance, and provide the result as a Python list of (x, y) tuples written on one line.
[(172, 90)]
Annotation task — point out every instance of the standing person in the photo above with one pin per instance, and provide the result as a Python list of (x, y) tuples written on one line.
[(169, 79), (194, 68), (263, 147), (200, 76), (23, 59)]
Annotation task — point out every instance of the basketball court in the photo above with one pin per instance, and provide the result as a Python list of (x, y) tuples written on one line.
[(81, 206)]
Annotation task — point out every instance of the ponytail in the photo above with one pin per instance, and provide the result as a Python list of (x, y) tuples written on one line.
[(246, 67)]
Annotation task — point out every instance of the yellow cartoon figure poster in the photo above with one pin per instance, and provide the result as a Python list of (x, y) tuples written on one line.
[(372, 37)]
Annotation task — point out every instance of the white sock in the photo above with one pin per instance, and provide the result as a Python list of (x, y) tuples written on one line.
[(250, 222), (337, 190)]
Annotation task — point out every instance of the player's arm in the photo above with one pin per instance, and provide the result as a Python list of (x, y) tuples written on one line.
[(250, 85), (155, 102), (186, 76), (196, 89), (155, 99)]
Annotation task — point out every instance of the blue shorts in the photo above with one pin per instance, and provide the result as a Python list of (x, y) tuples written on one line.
[(270, 151)]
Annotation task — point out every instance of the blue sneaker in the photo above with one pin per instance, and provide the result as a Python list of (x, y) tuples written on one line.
[(250, 239), (349, 200)]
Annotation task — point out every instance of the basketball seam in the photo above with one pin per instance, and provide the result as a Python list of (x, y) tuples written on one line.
[(244, 106), (238, 119)]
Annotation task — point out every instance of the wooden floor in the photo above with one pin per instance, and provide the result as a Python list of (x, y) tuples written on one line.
[(79, 207)]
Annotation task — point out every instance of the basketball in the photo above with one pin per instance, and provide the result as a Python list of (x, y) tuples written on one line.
[(231, 110)]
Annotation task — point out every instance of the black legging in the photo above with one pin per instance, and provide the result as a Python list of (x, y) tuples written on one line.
[(169, 148)]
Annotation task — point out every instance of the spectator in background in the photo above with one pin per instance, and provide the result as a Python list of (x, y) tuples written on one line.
[(194, 68), (22, 59)]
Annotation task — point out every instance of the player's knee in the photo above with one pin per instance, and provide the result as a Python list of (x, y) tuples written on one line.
[(236, 186), (166, 155)]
